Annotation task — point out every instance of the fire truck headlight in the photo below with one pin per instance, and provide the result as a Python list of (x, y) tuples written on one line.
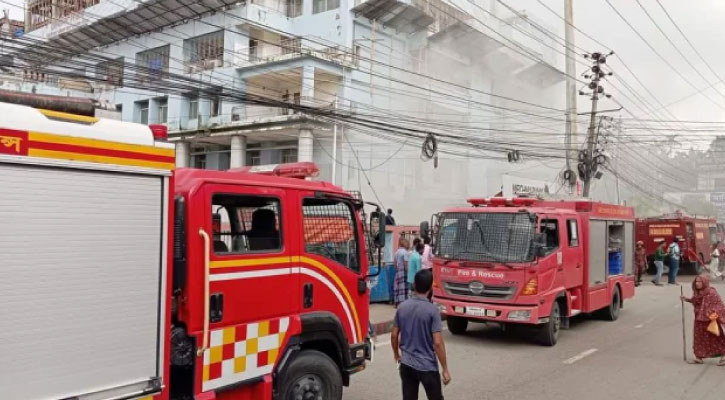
[(519, 315)]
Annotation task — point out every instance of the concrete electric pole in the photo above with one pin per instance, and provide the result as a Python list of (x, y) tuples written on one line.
[(587, 164), (571, 115)]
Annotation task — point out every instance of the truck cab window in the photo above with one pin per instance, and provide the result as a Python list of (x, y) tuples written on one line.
[(550, 229), (329, 231), (572, 233), (245, 224)]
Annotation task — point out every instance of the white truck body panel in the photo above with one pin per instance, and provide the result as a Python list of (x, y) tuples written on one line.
[(82, 256)]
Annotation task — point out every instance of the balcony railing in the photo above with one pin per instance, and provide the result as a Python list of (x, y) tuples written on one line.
[(287, 49), (290, 8)]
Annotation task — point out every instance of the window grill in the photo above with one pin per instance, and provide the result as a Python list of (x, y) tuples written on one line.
[(329, 231), (486, 237), (153, 64)]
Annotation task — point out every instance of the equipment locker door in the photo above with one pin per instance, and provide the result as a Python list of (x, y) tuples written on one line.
[(572, 250), (81, 267)]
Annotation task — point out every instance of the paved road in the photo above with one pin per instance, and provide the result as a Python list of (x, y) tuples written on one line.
[(638, 356)]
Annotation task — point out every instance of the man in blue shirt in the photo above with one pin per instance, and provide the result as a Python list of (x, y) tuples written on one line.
[(415, 263), (417, 342)]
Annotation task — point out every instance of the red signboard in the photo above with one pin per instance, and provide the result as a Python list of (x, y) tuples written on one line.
[(13, 142)]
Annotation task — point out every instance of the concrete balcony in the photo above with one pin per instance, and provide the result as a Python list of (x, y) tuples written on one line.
[(280, 50), (407, 16)]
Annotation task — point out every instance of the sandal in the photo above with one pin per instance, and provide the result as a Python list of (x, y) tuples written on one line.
[(695, 361), (721, 363)]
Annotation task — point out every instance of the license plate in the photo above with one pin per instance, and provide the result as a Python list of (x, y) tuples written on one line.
[(480, 312)]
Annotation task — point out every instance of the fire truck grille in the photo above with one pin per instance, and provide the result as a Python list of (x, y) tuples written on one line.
[(488, 291)]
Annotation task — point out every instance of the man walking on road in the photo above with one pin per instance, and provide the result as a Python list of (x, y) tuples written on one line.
[(659, 259), (417, 341), (674, 253)]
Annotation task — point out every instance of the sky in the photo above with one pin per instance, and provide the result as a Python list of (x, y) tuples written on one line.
[(703, 21)]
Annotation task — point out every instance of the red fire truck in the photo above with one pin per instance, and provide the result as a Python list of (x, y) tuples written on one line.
[(124, 279), (696, 236), (528, 261)]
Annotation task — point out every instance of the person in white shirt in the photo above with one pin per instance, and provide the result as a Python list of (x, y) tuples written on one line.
[(427, 254)]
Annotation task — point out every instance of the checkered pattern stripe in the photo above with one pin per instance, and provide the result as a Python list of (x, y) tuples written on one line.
[(242, 352)]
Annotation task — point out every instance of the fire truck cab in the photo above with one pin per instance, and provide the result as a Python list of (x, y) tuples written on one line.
[(280, 264), (528, 261), (122, 278)]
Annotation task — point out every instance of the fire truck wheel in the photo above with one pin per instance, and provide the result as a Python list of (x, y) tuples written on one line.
[(549, 332), (311, 375), (611, 313), (457, 325)]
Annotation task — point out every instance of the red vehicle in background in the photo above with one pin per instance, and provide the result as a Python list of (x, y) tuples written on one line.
[(531, 262), (696, 236)]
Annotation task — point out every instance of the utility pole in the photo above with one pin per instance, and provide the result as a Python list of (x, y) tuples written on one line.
[(587, 165), (616, 165), (571, 115)]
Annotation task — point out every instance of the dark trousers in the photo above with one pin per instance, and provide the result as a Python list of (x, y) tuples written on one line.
[(412, 378), (674, 267)]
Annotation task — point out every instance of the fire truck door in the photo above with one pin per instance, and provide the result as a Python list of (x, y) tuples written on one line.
[(572, 253), (332, 265), (251, 242)]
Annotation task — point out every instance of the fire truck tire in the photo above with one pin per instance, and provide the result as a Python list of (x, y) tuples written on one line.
[(311, 375), (611, 313), (457, 325), (549, 332)]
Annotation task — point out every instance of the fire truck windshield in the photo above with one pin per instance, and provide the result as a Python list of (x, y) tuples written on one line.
[(487, 237)]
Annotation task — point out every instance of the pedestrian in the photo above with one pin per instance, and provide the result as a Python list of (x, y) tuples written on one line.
[(640, 262), (714, 266), (427, 254), (708, 307), (414, 264), (417, 342), (389, 220), (401, 266), (659, 260), (673, 252)]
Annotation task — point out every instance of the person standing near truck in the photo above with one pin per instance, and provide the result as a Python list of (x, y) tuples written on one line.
[(674, 253), (640, 262), (417, 342), (400, 292), (659, 259), (414, 263)]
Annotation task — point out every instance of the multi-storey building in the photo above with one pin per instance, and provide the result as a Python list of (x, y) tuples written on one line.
[(430, 64)]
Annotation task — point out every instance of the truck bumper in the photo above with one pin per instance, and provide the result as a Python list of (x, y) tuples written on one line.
[(502, 313)]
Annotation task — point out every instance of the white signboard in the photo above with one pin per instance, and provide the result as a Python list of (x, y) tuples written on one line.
[(516, 186)]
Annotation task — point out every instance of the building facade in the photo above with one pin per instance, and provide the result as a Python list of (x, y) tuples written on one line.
[(430, 64)]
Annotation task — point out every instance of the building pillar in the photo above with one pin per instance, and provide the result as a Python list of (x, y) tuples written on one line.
[(304, 145), (238, 153), (183, 154), (308, 85)]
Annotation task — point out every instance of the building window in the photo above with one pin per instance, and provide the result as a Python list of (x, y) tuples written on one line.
[(41, 12), (153, 64), (199, 161), (193, 108), (142, 112), (111, 72), (319, 6), (254, 157), (216, 105), (204, 52), (329, 231), (253, 48), (294, 8), (245, 224), (289, 156), (163, 111)]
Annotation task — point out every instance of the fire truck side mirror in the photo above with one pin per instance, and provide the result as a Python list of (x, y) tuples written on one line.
[(377, 227), (424, 230)]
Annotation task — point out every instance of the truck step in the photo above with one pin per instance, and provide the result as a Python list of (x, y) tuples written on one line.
[(575, 313)]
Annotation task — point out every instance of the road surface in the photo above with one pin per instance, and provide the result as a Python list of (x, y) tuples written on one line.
[(638, 356)]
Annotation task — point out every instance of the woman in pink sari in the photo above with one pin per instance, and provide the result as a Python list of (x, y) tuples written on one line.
[(708, 306)]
